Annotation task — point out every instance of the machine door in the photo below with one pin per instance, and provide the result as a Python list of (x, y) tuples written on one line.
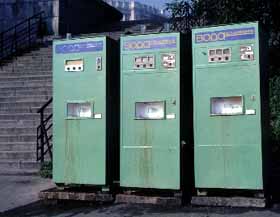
[(150, 150), (85, 144), (228, 143), (80, 113)]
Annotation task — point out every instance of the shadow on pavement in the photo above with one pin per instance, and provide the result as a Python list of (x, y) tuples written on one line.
[(75, 209), (38, 209)]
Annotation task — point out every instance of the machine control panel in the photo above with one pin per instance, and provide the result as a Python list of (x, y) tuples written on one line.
[(219, 55), (246, 53), (98, 63), (168, 60), (144, 62), (74, 65)]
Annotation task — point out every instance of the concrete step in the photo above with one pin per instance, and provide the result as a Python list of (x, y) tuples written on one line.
[(36, 83), (17, 146), (28, 62), (39, 56), (8, 93), (28, 66), (19, 164), (17, 155), (25, 86), (24, 110), (36, 87), (22, 104), (19, 172), (26, 69), (14, 99), (25, 73), (19, 123), (17, 130), (20, 116), (20, 138), (45, 58), (25, 78)]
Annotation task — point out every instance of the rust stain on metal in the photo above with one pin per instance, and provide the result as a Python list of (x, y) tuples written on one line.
[(146, 160), (72, 139)]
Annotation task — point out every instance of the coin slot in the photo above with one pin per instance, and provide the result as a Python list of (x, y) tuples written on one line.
[(98, 63)]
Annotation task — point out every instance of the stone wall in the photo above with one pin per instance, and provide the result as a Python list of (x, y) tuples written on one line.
[(13, 11), (133, 10)]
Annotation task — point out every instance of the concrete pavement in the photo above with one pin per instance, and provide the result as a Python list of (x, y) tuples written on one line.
[(19, 198), (125, 210), (16, 191)]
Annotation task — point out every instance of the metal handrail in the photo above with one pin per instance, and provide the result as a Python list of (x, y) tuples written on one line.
[(45, 105), (44, 140), (24, 21), (22, 36)]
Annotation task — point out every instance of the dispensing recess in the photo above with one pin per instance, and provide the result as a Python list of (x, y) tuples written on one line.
[(232, 105), (79, 110), (149, 110)]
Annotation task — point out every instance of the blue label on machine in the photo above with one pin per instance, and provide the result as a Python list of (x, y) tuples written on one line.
[(150, 43), (225, 35), (90, 46)]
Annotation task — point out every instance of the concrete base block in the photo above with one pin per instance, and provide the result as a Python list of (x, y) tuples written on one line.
[(56, 194), (155, 200), (229, 201)]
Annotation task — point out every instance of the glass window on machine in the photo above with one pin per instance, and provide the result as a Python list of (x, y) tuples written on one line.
[(79, 110), (149, 110), (232, 105)]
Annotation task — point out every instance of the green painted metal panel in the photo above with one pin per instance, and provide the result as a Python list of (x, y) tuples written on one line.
[(227, 107), (80, 75), (150, 148)]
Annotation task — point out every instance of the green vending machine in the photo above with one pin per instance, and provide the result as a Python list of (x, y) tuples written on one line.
[(230, 107), (150, 150), (85, 111)]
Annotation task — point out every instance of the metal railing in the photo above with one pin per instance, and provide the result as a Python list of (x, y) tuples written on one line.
[(22, 36), (44, 133)]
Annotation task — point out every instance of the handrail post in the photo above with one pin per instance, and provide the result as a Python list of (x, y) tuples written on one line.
[(2, 45), (29, 34), (40, 27), (42, 135), (15, 38)]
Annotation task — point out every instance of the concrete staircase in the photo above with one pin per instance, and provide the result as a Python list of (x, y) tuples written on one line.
[(25, 85)]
